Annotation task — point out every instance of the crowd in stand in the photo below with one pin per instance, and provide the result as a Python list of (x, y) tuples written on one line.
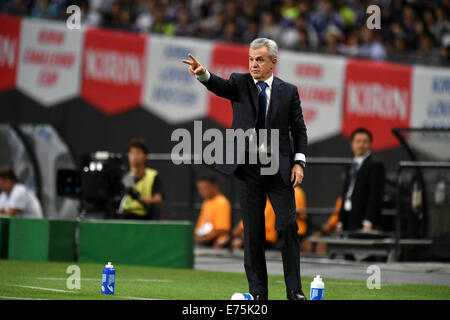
[(410, 30)]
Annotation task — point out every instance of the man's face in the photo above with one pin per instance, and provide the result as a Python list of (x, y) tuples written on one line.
[(259, 63), (360, 144), (6, 185), (136, 157), (205, 189)]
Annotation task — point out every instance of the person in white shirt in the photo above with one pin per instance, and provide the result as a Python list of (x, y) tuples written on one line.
[(15, 199)]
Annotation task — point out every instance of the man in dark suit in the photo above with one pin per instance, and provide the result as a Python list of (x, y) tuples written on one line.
[(262, 101), (362, 191)]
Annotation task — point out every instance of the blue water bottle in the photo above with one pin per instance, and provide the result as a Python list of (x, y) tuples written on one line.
[(317, 287), (108, 279)]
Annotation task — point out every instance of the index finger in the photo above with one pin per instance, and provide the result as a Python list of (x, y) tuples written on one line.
[(193, 58)]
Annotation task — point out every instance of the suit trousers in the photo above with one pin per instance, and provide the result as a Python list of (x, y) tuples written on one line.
[(254, 191)]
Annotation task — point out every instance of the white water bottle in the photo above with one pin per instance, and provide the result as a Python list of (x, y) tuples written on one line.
[(317, 287)]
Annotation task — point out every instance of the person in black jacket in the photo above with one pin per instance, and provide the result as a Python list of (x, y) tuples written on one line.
[(362, 191), (262, 101)]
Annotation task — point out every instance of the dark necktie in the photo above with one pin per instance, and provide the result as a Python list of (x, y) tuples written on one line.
[(352, 175), (353, 171), (262, 106)]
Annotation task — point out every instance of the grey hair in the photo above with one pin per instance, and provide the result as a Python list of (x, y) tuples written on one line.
[(271, 46)]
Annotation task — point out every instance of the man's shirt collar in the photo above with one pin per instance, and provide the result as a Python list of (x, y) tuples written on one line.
[(269, 81)]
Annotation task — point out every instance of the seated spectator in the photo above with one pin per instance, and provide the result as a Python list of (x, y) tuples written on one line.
[(302, 25), (268, 28), (251, 31), (399, 46), (214, 222), (302, 41), (230, 33), (300, 35), (216, 25), (445, 50), (125, 19), (324, 16), (408, 27), (333, 37), (112, 16), (300, 204), (16, 7), (329, 227), (161, 24), (429, 20), (144, 190), (89, 16), (144, 18), (184, 27), (351, 47), (371, 44), (15, 199), (46, 9), (289, 12), (427, 51), (442, 23), (270, 219)]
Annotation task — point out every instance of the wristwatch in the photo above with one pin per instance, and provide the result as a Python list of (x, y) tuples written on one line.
[(301, 163)]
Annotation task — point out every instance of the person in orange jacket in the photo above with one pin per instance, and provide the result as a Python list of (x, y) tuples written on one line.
[(330, 226), (270, 218), (214, 222)]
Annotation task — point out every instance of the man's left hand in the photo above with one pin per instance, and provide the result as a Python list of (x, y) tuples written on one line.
[(297, 175)]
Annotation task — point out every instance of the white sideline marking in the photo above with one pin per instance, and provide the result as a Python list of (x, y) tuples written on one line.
[(45, 289), (48, 278), (145, 280), (23, 298), (20, 298), (99, 279), (136, 298), (362, 283)]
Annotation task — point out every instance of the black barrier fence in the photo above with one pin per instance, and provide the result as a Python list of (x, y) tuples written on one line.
[(414, 199), (422, 192)]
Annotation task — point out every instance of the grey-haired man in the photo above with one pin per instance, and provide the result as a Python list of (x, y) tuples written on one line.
[(262, 101)]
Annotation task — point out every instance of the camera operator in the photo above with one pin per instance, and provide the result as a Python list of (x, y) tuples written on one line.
[(144, 193)]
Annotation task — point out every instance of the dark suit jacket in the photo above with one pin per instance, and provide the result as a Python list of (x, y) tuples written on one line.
[(285, 114), (367, 196)]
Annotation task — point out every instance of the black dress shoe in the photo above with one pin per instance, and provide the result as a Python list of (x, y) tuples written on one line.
[(259, 296), (291, 295)]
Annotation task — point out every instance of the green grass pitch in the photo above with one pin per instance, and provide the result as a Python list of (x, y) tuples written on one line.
[(48, 280)]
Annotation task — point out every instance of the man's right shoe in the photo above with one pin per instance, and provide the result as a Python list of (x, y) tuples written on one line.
[(291, 295)]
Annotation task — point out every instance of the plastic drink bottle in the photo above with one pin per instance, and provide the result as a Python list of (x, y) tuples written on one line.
[(317, 287), (108, 279)]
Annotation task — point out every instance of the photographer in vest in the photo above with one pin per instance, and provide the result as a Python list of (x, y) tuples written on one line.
[(143, 186)]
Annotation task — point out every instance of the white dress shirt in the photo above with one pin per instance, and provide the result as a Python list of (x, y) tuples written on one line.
[(205, 77), (22, 199)]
